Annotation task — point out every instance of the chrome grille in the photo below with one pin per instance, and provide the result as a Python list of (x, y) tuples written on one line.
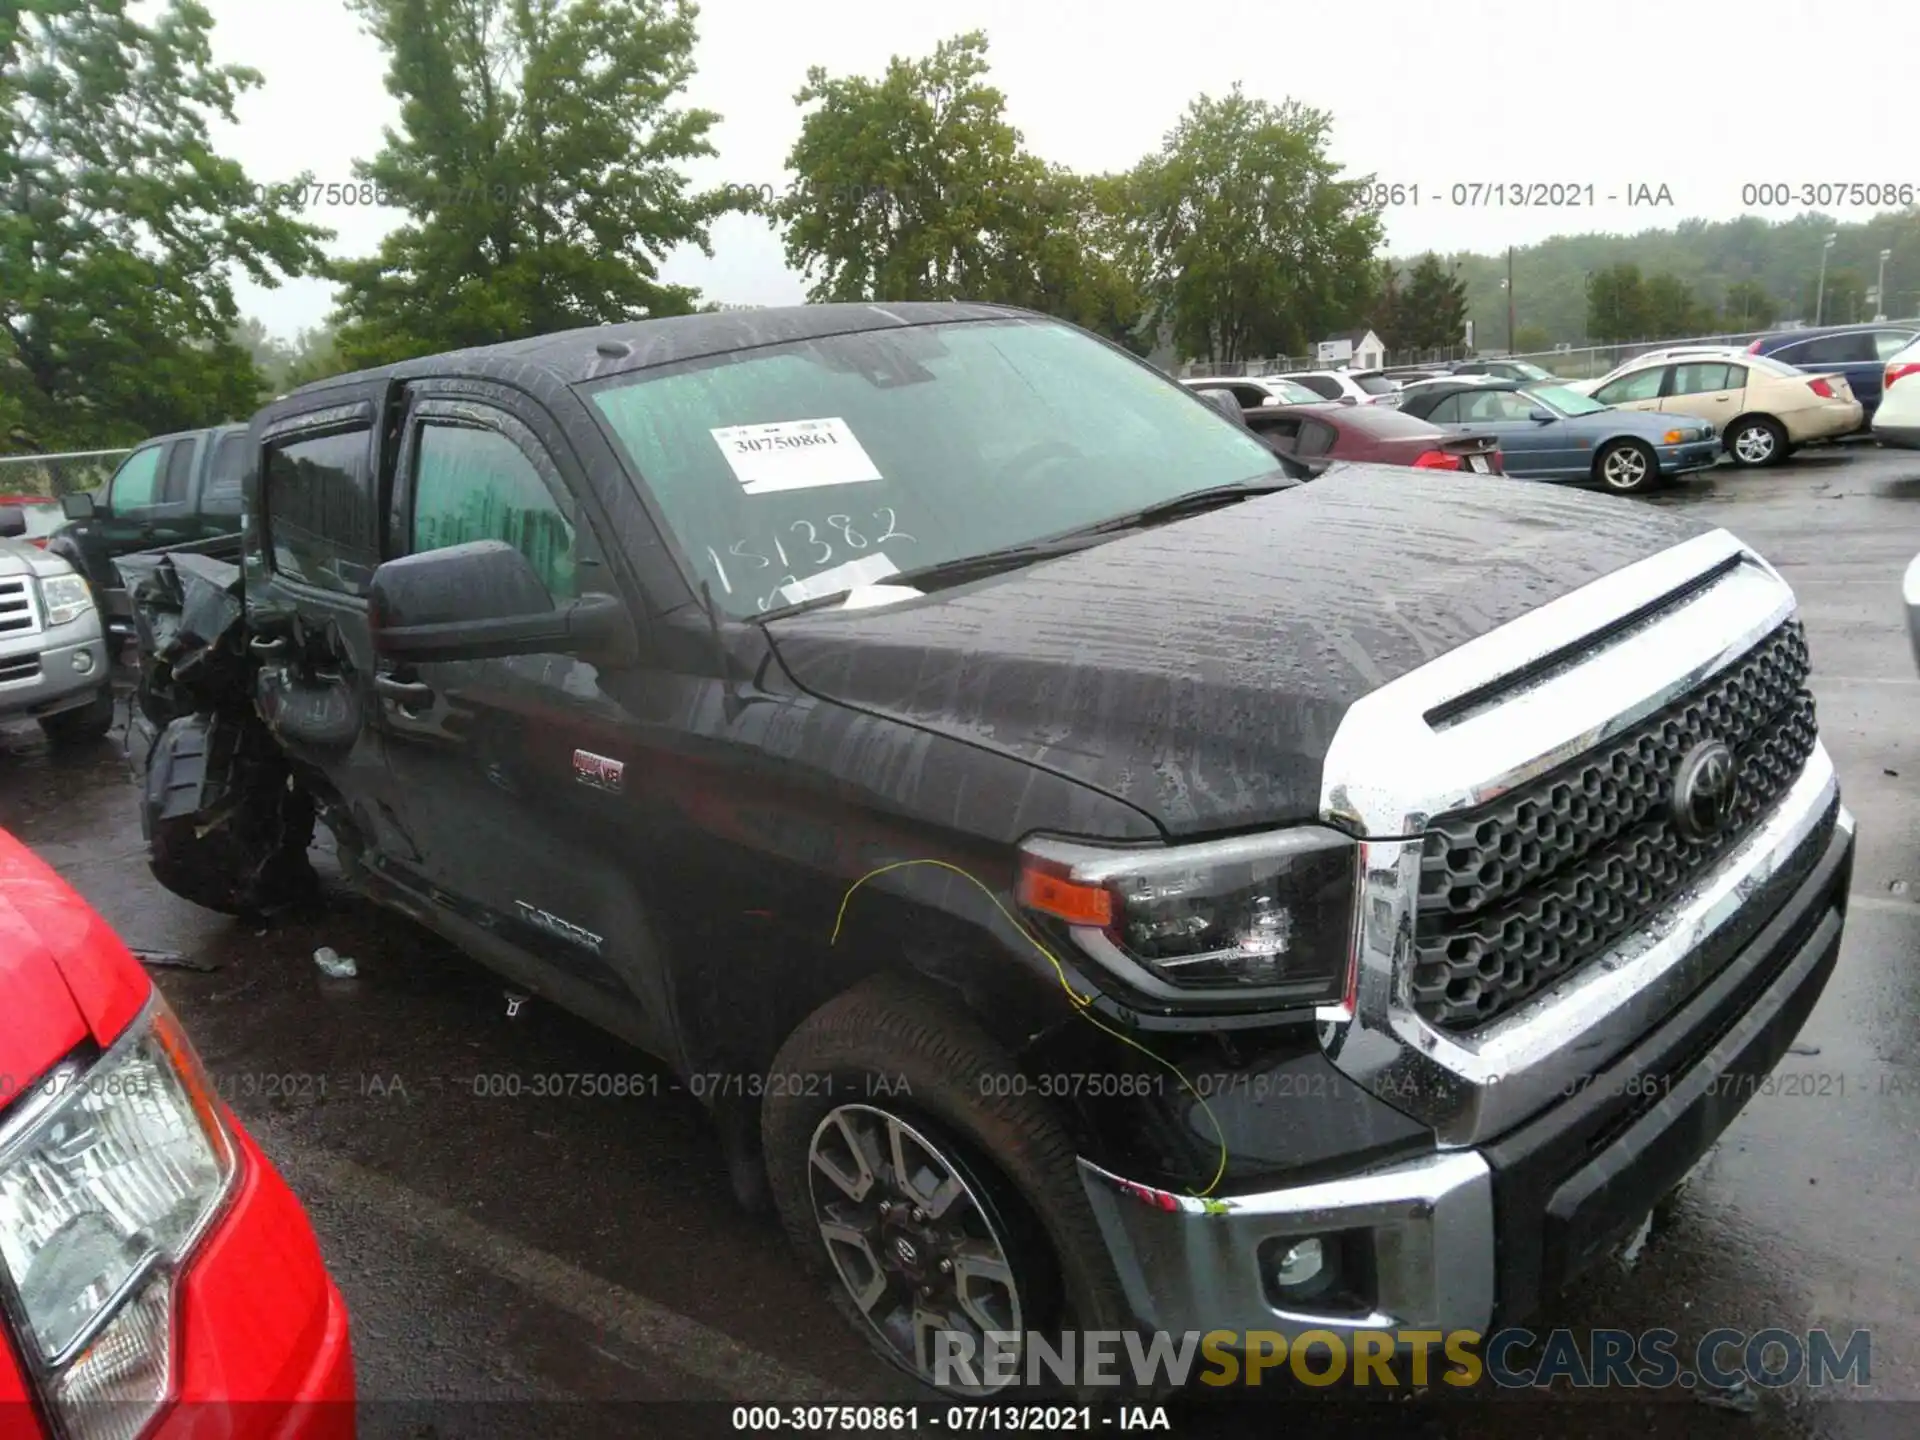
[(18, 615), (1518, 894)]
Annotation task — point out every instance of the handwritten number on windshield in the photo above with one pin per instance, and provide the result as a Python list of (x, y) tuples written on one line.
[(813, 538), (821, 549), (893, 533)]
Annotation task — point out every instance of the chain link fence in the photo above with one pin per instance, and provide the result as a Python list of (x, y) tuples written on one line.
[(56, 475)]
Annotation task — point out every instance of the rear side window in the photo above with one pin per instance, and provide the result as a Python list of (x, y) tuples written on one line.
[(224, 474), (1831, 350), (472, 484), (1889, 343), (137, 481), (319, 504), (1320, 385), (1315, 439), (1700, 377)]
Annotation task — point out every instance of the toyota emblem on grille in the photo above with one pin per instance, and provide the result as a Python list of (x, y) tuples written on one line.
[(1706, 788)]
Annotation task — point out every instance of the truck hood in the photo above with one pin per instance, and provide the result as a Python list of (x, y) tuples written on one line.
[(1198, 670), (18, 558)]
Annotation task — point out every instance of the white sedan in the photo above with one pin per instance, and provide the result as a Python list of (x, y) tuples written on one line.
[(1256, 390), (1897, 420)]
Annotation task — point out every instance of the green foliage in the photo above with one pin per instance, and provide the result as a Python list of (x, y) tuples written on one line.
[(1531, 340), (1845, 300), (537, 157), (119, 223), (1617, 304), (1671, 308), (1255, 243), (1433, 307), (1386, 312), (915, 187), (1746, 306)]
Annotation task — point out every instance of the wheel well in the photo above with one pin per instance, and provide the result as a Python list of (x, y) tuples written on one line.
[(1733, 425)]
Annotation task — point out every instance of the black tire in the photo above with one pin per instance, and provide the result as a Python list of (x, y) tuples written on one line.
[(886, 1034), (1626, 467), (86, 724), (1756, 440)]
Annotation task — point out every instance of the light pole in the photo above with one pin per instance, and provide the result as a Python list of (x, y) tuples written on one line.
[(1820, 295), (1880, 287)]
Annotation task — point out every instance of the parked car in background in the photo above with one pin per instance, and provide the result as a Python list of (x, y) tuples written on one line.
[(39, 517), (53, 659), (1377, 434), (1338, 385), (1257, 390), (1407, 374), (160, 1278), (1761, 409), (1547, 432), (172, 490), (1524, 371), (1859, 352), (1671, 352), (1897, 420)]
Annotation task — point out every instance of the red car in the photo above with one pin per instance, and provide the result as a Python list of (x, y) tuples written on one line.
[(38, 517), (157, 1276), (1374, 434)]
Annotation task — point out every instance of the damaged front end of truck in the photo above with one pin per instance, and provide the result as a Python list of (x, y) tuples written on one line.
[(226, 821)]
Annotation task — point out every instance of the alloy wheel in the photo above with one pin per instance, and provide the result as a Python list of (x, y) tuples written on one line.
[(1754, 445), (1625, 468), (914, 1241)]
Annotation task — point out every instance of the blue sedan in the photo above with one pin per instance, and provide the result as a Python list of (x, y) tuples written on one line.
[(1548, 432)]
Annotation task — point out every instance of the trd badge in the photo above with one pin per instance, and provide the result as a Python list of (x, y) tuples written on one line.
[(599, 771)]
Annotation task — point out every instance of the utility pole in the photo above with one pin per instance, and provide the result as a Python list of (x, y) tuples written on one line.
[(1880, 287), (1820, 295), (1509, 300)]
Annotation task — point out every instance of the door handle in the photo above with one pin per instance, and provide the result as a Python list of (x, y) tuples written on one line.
[(407, 694)]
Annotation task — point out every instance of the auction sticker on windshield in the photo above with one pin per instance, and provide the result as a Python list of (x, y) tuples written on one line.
[(795, 455)]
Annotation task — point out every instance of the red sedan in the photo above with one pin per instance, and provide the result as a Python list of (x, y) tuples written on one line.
[(1373, 434), (157, 1276)]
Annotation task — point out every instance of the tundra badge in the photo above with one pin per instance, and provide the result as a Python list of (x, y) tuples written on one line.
[(598, 771)]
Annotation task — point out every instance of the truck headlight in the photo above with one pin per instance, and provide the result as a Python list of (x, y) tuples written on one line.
[(65, 598), (109, 1175), (1266, 917)]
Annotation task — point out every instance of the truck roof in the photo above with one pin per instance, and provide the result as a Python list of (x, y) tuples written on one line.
[(571, 356)]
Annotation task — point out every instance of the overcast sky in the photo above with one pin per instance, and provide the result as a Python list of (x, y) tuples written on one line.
[(1701, 98)]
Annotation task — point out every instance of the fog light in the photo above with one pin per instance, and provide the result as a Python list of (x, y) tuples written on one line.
[(1301, 1264), (83, 661)]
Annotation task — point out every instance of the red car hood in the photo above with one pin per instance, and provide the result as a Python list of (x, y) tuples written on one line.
[(64, 975)]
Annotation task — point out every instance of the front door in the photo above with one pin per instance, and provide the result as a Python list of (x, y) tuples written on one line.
[(514, 769), (1636, 390), (1710, 390)]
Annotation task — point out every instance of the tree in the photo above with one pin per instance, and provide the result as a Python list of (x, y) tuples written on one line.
[(1255, 243), (1433, 307), (1384, 315), (1531, 340), (1617, 304), (1747, 306), (120, 226), (536, 157), (1671, 311)]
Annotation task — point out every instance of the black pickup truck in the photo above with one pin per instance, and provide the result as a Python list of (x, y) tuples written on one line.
[(1093, 878), (179, 489)]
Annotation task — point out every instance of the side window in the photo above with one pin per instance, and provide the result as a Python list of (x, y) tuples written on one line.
[(1249, 395), (222, 494), (1315, 439), (1736, 377), (472, 484), (1700, 378), (137, 480), (1322, 385), (1447, 412), (319, 501), (1832, 350), (1640, 385), (177, 476), (1889, 343)]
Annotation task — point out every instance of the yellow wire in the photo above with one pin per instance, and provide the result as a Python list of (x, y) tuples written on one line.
[(1081, 1003)]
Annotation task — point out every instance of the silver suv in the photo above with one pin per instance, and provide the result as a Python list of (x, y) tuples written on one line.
[(53, 661)]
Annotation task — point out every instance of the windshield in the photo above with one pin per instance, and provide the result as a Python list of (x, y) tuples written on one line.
[(791, 471), (1288, 392), (1567, 402), (1376, 385)]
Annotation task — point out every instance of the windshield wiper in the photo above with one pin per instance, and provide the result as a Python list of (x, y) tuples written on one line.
[(1193, 502)]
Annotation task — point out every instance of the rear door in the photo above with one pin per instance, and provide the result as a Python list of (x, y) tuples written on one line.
[(1710, 390), (217, 508), (513, 768)]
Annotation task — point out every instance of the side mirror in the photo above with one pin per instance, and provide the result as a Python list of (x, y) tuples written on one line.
[(79, 505), (1539, 416), (482, 600), (13, 522), (1227, 403)]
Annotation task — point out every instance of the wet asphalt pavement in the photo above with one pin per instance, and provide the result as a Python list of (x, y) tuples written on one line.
[(499, 1247)]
